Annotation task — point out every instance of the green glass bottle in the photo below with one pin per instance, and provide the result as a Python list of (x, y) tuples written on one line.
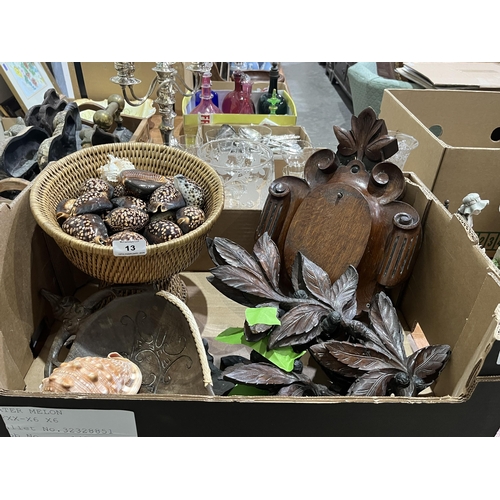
[(264, 100)]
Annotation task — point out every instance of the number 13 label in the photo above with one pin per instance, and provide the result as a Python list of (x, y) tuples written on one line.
[(128, 248)]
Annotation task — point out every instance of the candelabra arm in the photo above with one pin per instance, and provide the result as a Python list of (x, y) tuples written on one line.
[(137, 101), (190, 90)]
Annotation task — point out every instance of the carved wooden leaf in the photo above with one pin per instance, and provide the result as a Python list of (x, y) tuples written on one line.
[(323, 356), (343, 293), (385, 322), (260, 374), (276, 339), (306, 389), (347, 144), (361, 357), (373, 383), (361, 332), (297, 321), (216, 258), (245, 281), (297, 276), (428, 362), (254, 333), (268, 256), (374, 149), (316, 280), (296, 390), (235, 255), (365, 126), (245, 299)]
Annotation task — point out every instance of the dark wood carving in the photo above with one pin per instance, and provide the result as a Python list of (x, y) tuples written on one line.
[(275, 380), (320, 315), (377, 363), (347, 211)]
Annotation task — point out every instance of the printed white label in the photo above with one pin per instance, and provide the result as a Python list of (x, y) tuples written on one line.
[(128, 248), (28, 421)]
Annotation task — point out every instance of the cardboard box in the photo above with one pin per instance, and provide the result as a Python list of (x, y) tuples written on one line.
[(456, 75), (191, 122), (279, 163), (453, 303), (466, 155), (300, 132)]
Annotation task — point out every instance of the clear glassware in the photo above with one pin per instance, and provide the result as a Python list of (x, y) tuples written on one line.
[(295, 155), (257, 133), (188, 142), (245, 167), (406, 144)]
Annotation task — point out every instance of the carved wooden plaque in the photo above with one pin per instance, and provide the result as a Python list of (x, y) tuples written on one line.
[(347, 211)]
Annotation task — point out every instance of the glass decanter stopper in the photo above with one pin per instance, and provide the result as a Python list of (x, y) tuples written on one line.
[(273, 103), (206, 105), (214, 95), (263, 106), (247, 105)]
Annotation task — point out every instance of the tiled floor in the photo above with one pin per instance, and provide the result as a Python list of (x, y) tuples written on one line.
[(320, 105)]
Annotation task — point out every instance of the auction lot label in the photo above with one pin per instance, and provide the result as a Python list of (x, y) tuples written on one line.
[(28, 421)]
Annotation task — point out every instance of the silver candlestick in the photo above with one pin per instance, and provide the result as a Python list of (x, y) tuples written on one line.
[(167, 82)]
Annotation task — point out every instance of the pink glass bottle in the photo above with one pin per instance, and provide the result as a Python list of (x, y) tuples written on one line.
[(247, 105), (232, 102), (206, 106)]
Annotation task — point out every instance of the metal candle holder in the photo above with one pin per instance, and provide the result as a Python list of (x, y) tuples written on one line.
[(167, 81)]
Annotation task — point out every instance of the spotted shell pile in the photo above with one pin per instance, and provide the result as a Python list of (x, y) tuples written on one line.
[(94, 375), (132, 203)]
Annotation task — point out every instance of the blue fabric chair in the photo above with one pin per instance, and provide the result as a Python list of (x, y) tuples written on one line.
[(367, 87)]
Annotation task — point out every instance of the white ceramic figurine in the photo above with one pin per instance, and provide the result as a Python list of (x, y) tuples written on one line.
[(471, 205)]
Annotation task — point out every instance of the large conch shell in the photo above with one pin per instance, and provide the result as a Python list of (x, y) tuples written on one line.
[(111, 170), (112, 375)]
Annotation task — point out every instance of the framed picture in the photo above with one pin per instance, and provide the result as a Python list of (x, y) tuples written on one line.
[(28, 81)]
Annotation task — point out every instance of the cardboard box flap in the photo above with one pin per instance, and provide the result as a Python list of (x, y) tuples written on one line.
[(464, 158), (471, 350), (460, 118), (25, 267), (475, 181), (430, 148), (10, 375), (454, 74), (461, 300)]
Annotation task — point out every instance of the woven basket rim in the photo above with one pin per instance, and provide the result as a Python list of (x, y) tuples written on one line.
[(48, 223)]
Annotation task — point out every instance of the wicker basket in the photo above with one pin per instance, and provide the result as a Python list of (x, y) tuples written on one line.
[(62, 179)]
